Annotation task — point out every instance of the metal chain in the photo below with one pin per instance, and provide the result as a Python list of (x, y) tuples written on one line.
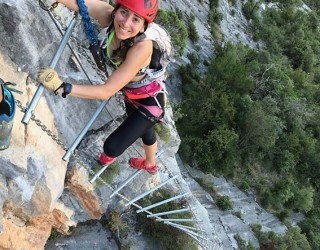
[(203, 240)]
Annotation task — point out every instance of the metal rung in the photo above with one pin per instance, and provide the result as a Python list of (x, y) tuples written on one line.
[(132, 177), (183, 226), (171, 212), (84, 130), (194, 235), (180, 220), (162, 202), (98, 173), (53, 63), (196, 239), (125, 182), (151, 190), (190, 232)]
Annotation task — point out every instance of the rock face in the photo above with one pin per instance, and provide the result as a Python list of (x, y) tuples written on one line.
[(31, 175), (226, 224), (38, 190)]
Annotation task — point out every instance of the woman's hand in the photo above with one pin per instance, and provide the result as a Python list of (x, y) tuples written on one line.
[(49, 78)]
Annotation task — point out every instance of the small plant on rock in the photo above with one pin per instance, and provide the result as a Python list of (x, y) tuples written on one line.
[(224, 202)]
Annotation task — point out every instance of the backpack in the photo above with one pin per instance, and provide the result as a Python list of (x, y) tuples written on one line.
[(163, 54), (161, 42)]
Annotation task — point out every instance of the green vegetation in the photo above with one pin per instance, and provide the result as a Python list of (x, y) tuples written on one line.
[(294, 239), (224, 202), (206, 183), (107, 175), (171, 21), (232, 2), (192, 30), (214, 19), (238, 214), (117, 225), (163, 132), (54, 234), (250, 9), (167, 237), (194, 58), (255, 116), (241, 242)]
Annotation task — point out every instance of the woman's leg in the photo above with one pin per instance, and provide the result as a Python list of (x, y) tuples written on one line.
[(135, 126), (150, 151)]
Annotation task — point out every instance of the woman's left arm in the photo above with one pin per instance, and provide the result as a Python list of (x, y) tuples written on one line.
[(137, 57)]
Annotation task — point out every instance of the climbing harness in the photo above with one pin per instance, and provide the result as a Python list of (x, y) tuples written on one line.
[(150, 90), (112, 63)]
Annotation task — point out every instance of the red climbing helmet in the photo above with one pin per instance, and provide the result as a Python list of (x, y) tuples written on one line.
[(146, 8)]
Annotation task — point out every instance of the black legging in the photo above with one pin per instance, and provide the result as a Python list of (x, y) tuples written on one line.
[(134, 126)]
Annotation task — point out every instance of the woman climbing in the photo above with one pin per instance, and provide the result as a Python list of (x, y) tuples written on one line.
[(134, 59), (7, 112)]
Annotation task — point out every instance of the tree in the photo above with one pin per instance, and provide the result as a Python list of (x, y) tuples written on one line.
[(293, 240), (314, 240), (250, 9), (285, 161), (303, 198), (175, 27), (260, 129), (192, 30)]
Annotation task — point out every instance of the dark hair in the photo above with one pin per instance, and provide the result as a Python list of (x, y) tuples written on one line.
[(114, 11)]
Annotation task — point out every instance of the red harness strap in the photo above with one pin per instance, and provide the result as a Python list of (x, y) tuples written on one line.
[(150, 90)]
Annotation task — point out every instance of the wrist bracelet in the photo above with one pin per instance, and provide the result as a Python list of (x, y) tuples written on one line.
[(67, 87)]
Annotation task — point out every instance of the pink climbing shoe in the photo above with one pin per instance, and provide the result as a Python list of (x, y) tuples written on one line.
[(106, 160), (139, 163)]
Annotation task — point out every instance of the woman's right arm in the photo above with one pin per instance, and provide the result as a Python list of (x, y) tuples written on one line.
[(97, 9)]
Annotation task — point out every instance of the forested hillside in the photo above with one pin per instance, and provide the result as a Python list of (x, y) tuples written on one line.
[(254, 117)]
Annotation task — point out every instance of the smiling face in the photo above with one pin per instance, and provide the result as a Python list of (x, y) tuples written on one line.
[(127, 23)]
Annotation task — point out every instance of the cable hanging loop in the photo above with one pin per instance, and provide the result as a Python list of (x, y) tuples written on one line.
[(88, 26)]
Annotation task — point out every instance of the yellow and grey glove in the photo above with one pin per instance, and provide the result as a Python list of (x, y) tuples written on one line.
[(49, 78)]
